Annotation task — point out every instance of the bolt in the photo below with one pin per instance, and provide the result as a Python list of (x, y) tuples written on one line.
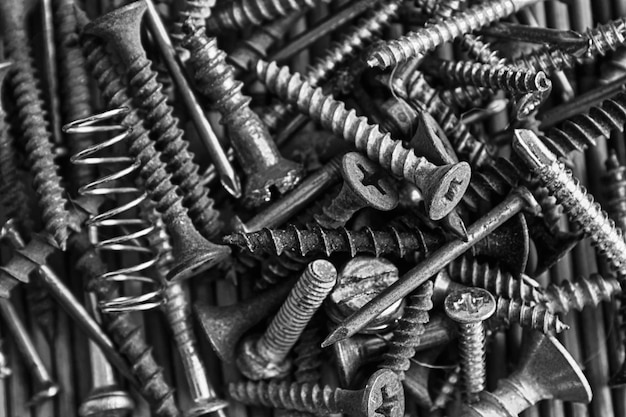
[(365, 185), (266, 357), (224, 326), (258, 155), (34, 129), (442, 187), (408, 331), (517, 201), (429, 37), (383, 395), (470, 308), (546, 371)]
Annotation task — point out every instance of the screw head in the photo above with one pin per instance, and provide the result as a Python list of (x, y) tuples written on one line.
[(383, 395), (470, 305), (369, 182), (255, 366), (107, 402)]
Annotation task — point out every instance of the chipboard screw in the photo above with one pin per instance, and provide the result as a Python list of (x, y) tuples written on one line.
[(470, 308), (259, 157), (383, 395), (442, 187), (266, 357), (364, 185), (34, 128)]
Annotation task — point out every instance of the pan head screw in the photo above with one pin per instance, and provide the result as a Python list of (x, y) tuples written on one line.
[(470, 306)]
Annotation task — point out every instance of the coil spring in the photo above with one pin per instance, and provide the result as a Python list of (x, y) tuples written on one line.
[(133, 229)]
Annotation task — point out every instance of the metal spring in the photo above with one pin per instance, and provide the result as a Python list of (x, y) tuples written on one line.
[(128, 241)]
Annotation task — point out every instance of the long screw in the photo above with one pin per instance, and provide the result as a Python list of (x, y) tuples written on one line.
[(265, 357), (429, 37), (30, 111), (258, 155), (121, 29), (443, 187)]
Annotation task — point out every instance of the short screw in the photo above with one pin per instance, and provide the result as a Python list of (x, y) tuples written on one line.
[(265, 357), (365, 185), (443, 187), (383, 395), (259, 157), (470, 308)]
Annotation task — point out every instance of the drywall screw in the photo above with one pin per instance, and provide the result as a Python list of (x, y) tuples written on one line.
[(409, 329), (546, 371), (533, 316), (241, 14), (493, 77), (470, 308), (364, 185), (383, 390), (265, 168), (517, 201), (442, 187), (429, 37), (578, 205), (229, 179), (266, 357), (224, 326), (317, 241), (351, 354), (121, 29), (34, 128), (191, 251)]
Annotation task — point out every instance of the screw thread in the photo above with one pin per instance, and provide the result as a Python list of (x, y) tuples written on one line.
[(308, 354), (548, 60), (588, 215), (408, 332), (481, 51), (241, 14), (615, 190), (280, 268), (317, 240), (607, 37), (429, 37), (36, 134), (177, 311), (194, 11), (584, 292), (178, 159), (340, 209), (536, 317), (514, 80), (493, 180), (470, 272), (305, 298), (447, 389), (551, 210), (313, 398), (334, 116), (472, 341), (465, 96)]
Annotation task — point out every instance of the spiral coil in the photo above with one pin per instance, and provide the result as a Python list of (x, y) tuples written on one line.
[(133, 229)]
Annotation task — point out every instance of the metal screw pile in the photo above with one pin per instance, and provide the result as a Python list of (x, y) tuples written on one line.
[(376, 208)]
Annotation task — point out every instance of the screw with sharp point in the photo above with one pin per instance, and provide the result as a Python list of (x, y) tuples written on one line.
[(442, 187), (365, 185), (383, 395), (470, 308), (266, 357)]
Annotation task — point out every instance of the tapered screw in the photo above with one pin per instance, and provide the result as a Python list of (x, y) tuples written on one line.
[(265, 357), (470, 308), (365, 185), (241, 14), (442, 187)]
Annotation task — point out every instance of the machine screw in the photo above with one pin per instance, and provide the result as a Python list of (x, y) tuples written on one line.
[(258, 155), (383, 395), (470, 308), (442, 187), (365, 185), (265, 357)]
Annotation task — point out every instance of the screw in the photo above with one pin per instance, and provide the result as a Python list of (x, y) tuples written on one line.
[(121, 29), (409, 329), (352, 353), (546, 371), (265, 168), (197, 11), (224, 326), (537, 317), (470, 308), (438, 259), (447, 389), (30, 113), (615, 190), (266, 357), (442, 187), (428, 38), (383, 395), (365, 185)]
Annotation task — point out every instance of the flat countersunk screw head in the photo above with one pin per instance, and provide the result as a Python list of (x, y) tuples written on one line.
[(470, 305), (368, 182), (383, 395)]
